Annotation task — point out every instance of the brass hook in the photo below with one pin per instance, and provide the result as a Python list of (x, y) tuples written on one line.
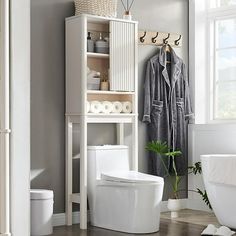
[(177, 41), (142, 39), (165, 41), (154, 38)]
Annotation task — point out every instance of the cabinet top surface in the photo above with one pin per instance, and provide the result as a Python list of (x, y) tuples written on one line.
[(93, 18)]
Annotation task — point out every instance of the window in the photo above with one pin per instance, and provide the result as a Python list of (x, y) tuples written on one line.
[(221, 3), (222, 45)]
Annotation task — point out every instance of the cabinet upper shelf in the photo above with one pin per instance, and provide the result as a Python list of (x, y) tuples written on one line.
[(109, 92), (110, 118), (97, 55)]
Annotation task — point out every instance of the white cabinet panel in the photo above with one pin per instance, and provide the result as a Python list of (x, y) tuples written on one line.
[(122, 56)]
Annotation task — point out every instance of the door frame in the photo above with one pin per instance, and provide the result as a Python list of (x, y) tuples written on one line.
[(4, 120), (15, 115), (20, 116)]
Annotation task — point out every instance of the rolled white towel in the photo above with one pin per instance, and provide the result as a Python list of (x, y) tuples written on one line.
[(107, 107), (209, 230), (88, 107), (116, 107), (126, 107), (95, 107), (223, 230)]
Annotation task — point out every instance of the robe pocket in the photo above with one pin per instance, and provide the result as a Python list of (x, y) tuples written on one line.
[(180, 103), (157, 106), (180, 108)]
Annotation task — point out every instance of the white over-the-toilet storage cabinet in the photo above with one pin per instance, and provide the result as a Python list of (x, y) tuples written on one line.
[(120, 66)]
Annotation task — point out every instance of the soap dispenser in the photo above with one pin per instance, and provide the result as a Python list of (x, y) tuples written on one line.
[(90, 43)]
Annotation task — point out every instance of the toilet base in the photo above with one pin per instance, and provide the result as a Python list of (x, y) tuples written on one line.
[(128, 208)]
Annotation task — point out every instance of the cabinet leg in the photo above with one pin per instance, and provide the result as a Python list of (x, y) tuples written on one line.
[(69, 133), (135, 144), (120, 133), (83, 174)]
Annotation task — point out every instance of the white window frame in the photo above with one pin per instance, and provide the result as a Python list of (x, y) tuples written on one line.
[(199, 57), (214, 14)]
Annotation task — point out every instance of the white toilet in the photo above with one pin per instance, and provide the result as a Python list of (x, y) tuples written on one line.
[(120, 199)]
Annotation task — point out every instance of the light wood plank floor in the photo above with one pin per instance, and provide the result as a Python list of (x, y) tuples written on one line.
[(190, 223), (194, 217)]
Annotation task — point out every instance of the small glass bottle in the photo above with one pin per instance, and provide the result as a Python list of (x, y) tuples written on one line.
[(90, 43)]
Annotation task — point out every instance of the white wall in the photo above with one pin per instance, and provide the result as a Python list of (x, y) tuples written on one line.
[(154, 15), (208, 139), (204, 138), (48, 101), (48, 83), (198, 58), (20, 117)]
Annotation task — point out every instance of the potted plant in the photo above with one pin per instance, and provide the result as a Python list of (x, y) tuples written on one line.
[(164, 151)]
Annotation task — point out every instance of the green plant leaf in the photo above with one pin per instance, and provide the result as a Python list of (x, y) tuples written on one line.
[(158, 147), (196, 168), (173, 154), (204, 197), (162, 149), (179, 180)]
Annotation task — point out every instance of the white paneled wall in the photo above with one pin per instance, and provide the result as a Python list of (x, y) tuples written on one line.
[(20, 116), (4, 120), (208, 139), (122, 66)]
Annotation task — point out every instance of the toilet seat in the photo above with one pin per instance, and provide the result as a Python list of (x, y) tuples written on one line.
[(131, 177)]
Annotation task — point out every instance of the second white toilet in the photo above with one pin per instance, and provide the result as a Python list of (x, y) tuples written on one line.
[(120, 199)]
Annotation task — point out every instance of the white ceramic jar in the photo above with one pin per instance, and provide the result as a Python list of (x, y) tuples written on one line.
[(102, 46), (41, 212)]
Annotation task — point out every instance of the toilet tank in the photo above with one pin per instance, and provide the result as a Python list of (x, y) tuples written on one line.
[(107, 158)]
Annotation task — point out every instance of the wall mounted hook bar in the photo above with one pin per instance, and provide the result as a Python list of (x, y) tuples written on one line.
[(154, 38), (142, 39), (177, 41), (165, 41)]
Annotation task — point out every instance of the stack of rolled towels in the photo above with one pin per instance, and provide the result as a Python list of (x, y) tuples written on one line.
[(108, 107)]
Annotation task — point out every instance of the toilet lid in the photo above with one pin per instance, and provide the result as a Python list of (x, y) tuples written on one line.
[(131, 177), (40, 194)]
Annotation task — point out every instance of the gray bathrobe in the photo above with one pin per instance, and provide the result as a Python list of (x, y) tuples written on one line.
[(167, 107)]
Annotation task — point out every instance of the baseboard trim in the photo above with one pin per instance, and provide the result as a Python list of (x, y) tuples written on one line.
[(8, 234), (197, 204), (60, 219)]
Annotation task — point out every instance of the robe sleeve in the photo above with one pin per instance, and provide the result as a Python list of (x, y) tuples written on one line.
[(148, 96)]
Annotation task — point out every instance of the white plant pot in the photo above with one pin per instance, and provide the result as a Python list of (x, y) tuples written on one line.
[(174, 206)]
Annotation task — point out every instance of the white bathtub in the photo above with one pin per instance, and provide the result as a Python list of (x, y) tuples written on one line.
[(222, 197)]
